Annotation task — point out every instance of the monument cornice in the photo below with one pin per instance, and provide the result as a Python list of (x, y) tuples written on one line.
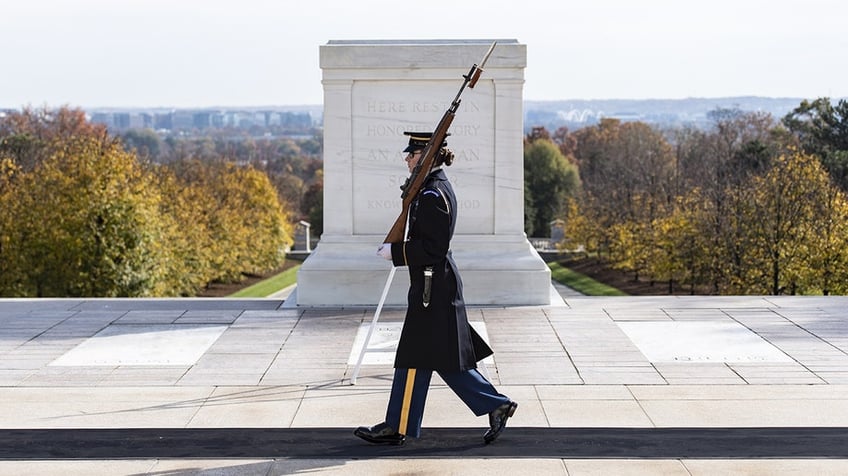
[(417, 54)]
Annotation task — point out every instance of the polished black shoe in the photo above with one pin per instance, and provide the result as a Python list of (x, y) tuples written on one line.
[(497, 421), (381, 434)]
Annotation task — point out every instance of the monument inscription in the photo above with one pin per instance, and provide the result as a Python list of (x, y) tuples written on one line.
[(383, 114)]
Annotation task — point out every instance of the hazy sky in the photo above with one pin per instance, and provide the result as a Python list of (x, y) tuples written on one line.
[(188, 53)]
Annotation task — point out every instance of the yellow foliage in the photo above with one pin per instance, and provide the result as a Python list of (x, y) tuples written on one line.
[(239, 213), (85, 222), (89, 220)]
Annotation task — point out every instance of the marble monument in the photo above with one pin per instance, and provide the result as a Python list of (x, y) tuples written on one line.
[(373, 92)]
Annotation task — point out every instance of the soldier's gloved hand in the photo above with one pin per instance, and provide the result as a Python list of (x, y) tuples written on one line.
[(385, 251)]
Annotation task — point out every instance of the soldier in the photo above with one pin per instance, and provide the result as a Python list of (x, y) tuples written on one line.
[(436, 335)]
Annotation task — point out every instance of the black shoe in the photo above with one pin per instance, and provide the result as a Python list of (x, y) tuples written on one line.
[(497, 421), (381, 434)]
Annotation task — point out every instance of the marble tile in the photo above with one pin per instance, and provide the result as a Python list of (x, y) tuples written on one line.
[(692, 341), (143, 345)]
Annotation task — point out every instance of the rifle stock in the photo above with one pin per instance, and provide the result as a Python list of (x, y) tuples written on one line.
[(428, 157)]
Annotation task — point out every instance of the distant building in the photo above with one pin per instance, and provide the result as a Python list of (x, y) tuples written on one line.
[(103, 118), (270, 121), (121, 121), (202, 119), (182, 119), (163, 121)]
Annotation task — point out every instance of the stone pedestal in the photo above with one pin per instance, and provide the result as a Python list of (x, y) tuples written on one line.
[(373, 92)]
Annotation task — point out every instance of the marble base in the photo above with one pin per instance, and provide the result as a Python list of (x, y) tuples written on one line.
[(495, 270)]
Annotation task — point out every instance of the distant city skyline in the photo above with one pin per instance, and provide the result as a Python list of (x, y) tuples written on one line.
[(575, 113), (215, 53)]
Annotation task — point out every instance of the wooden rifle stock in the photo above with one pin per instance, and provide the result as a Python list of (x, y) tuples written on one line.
[(431, 151)]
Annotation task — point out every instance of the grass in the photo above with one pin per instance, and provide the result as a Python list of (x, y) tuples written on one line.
[(271, 285), (581, 282)]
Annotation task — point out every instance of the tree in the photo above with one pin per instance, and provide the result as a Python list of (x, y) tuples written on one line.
[(291, 191), (80, 215), (85, 223), (28, 137), (822, 129), (679, 245), (242, 212), (269, 230), (566, 142), (738, 145), (627, 172), (827, 266), (718, 165), (780, 224), (624, 168), (313, 204), (8, 266), (529, 210), (191, 248), (144, 142), (550, 178)]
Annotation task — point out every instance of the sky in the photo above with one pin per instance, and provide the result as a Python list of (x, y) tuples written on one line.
[(205, 53)]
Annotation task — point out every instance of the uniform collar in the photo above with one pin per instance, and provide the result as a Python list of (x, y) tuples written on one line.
[(437, 172)]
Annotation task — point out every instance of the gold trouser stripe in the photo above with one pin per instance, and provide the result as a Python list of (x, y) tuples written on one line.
[(407, 400), (404, 253)]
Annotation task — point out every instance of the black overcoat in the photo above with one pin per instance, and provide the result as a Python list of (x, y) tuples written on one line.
[(438, 336)]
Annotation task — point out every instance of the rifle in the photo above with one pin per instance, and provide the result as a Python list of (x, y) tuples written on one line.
[(425, 163)]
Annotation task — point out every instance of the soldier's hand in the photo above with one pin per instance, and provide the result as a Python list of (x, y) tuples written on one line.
[(385, 251)]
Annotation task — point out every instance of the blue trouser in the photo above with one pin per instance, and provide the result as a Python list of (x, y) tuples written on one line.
[(409, 394)]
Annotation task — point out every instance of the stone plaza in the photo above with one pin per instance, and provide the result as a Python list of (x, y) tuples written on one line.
[(740, 385)]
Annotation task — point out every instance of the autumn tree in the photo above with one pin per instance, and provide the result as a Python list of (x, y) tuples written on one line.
[(292, 165), (241, 210), (627, 172), (80, 215), (566, 142), (719, 164), (30, 136), (191, 246), (681, 250), (630, 165), (780, 224), (737, 208), (827, 266), (549, 179), (85, 223), (8, 170)]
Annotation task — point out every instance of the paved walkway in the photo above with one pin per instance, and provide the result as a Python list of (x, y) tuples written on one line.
[(617, 385)]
